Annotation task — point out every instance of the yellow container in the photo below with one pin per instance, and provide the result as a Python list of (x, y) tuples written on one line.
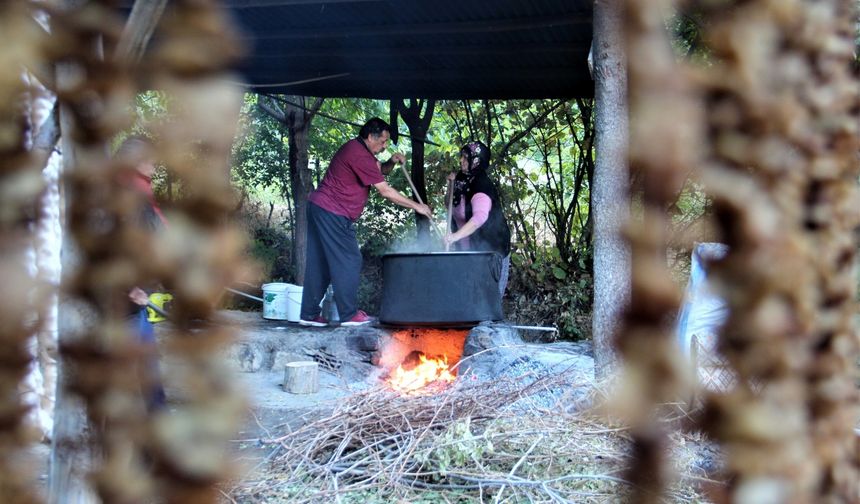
[(161, 300)]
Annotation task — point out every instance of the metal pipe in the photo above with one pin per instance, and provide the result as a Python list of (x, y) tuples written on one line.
[(532, 328), (255, 298), (157, 309)]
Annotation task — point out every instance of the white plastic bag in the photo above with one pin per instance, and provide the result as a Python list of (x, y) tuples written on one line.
[(703, 312)]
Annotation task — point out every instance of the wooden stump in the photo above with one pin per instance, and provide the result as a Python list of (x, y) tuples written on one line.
[(302, 377)]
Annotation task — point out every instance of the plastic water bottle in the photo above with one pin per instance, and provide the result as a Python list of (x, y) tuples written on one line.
[(329, 306)]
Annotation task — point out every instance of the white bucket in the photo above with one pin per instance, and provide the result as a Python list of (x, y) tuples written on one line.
[(294, 302), (275, 300)]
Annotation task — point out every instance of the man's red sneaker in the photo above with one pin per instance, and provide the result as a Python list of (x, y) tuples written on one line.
[(360, 318), (317, 321)]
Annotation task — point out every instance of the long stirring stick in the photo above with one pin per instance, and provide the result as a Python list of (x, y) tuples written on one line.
[(418, 196), (450, 212)]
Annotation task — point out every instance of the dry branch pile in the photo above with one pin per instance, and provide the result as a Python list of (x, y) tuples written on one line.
[(472, 442)]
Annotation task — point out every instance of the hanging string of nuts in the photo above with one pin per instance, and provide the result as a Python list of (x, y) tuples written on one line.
[(830, 141), (177, 454), (20, 187), (781, 170), (664, 120), (107, 365), (201, 251)]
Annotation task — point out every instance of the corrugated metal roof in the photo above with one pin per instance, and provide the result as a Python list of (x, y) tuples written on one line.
[(454, 49)]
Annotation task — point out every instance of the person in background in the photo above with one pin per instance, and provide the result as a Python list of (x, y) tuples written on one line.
[(332, 250), (139, 152), (478, 222)]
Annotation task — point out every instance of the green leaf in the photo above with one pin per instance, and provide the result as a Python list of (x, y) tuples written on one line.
[(517, 260), (559, 273)]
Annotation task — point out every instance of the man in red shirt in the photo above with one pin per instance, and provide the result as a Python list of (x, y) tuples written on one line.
[(332, 249)]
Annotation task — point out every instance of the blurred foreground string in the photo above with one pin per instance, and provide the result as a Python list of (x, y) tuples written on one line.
[(175, 454), (781, 169), (202, 250), (20, 186), (664, 128)]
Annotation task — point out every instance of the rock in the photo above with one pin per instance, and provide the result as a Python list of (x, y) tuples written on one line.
[(494, 351), (249, 357), (282, 357), (364, 341), (487, 336), (488, 348)]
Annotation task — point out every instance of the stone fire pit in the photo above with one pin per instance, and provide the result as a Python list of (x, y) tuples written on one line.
[(356, 358)]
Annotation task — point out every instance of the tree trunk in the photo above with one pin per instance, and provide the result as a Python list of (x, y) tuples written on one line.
[(297, 117), (418, 126), (301, 185), (422, 223), (610, 203)]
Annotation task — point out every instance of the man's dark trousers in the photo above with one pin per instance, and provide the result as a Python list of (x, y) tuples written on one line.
[(332, 257)]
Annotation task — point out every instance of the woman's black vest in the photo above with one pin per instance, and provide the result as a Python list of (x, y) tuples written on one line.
[(494, 235)]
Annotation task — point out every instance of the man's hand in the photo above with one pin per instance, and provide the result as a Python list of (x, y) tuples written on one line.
[(424, 210), (138, 297), (395, 159)]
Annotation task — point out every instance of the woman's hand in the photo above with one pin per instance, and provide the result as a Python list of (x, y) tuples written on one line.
[(452, 176), (450, 239)]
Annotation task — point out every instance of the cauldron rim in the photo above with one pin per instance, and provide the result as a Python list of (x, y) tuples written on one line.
[(439, 253)]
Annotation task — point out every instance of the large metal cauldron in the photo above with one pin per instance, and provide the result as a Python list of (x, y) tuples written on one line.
[(440, 288)]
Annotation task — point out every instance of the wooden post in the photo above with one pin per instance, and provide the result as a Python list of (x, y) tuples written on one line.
[(139, 28), (302, 377), (610, 199), (70, 459)]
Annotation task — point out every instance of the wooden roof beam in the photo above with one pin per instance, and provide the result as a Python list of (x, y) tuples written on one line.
[(252, 4), (449, 74), (484, 26), (293, 52)]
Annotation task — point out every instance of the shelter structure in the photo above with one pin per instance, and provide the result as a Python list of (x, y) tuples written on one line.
[(443, 49)]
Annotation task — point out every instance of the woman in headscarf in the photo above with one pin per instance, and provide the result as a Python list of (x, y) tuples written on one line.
[(478, 222)]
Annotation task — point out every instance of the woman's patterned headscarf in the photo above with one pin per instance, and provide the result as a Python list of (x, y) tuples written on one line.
[(478, 156)]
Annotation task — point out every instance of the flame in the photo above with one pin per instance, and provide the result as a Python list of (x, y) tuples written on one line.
[(427, 371)]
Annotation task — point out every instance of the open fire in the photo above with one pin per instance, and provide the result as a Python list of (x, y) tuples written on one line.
[(419, 371)]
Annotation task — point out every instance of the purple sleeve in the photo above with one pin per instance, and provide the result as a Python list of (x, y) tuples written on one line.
[(481, 206), (368, 172), (365, 166)]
